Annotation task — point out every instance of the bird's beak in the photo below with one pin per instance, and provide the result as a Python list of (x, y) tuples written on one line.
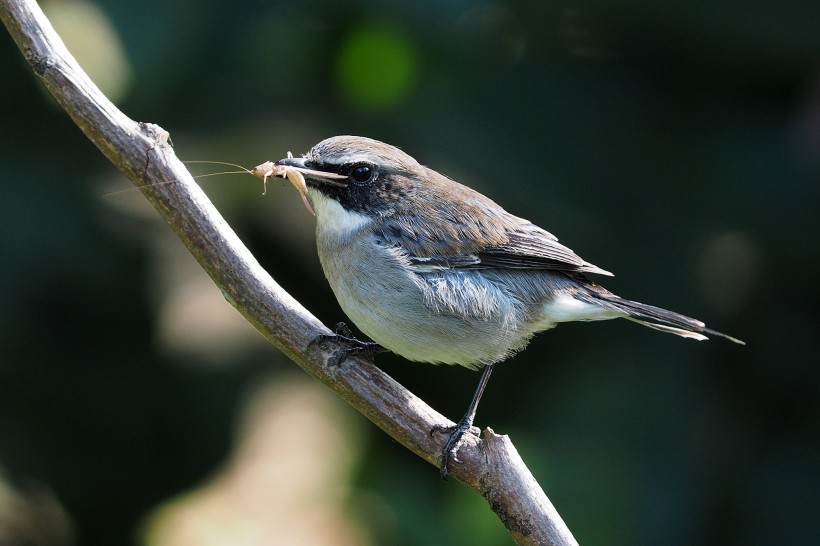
[(295, 170), (320, 177)]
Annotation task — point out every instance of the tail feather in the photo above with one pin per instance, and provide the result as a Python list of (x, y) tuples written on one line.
[(657, 318)]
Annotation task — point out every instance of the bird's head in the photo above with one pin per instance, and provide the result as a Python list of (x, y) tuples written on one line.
[(361, 175)]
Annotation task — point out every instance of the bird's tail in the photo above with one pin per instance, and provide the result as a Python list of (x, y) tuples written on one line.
[(655, 317)]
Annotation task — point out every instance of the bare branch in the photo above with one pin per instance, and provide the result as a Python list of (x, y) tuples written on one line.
[(492, 466)]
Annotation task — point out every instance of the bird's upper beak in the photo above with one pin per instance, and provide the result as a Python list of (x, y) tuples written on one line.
[(298, 162)]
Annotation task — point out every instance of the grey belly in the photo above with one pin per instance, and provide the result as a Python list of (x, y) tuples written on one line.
[(450, 317)]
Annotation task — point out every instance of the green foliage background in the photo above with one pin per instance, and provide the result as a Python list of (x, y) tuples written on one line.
[(676, 144)]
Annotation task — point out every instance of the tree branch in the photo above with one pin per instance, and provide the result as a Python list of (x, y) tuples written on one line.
[(492, 466)]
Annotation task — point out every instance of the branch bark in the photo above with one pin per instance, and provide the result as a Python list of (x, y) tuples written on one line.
[(492, 466)]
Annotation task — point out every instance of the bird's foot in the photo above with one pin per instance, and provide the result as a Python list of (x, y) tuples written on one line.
[(454, 441), (353, 346)]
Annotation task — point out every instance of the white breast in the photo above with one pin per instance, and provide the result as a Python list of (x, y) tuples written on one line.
[(332, 220)]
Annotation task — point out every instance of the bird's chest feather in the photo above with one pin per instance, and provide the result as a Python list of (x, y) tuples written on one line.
[(370, 280), (454, 318)]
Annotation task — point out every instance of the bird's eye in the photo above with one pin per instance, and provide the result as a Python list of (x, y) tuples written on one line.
[(362, 173)]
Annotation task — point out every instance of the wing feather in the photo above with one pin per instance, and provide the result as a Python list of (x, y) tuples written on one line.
[(459, 228), (528, 247)]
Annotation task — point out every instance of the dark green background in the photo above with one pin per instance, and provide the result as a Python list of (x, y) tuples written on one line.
[(676, 144)]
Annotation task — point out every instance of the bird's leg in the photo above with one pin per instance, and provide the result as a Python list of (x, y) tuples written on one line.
[(458, 431), (344, 335)]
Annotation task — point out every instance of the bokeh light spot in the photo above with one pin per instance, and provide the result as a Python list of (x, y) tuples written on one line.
[(729, 270), (376, 68), (95, 43)]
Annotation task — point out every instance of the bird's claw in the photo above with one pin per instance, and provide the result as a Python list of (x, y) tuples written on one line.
[(455, 439), (353, 346)]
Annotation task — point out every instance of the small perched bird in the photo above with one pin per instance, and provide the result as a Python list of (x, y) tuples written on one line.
[(437, 272)]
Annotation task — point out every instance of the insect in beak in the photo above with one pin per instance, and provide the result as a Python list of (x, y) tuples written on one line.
[(295, 172)]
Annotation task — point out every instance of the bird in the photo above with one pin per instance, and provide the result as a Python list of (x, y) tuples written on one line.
[(436, 272)]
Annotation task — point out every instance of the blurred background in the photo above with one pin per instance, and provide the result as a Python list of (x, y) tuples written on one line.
[(676, 144)]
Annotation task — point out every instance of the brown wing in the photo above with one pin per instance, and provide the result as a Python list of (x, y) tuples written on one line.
[(465, 229)]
